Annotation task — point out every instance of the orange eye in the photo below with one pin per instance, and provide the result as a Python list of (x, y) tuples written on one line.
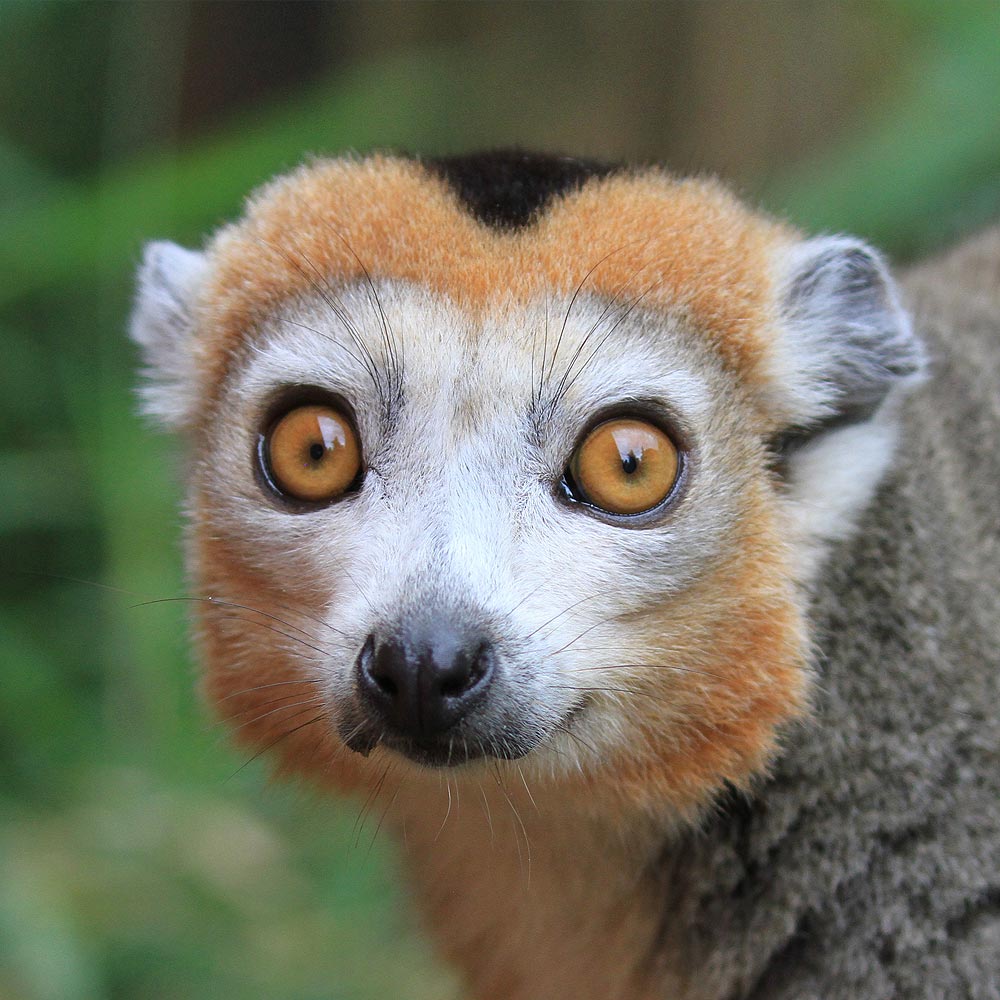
[(312, 454), (625, 466)]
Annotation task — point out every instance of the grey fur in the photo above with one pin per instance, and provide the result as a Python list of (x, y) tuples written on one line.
[(846, 322), (868, 866)]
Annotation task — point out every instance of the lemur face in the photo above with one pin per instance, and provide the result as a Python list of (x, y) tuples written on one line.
[(478, 599), (475, 483)]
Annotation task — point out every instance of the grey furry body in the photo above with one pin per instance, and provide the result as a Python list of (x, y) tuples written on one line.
[(868, 865)]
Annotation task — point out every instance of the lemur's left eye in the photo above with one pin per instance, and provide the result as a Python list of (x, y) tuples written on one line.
[(312, 454), (624, 466)]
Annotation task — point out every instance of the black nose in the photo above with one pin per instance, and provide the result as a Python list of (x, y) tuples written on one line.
[(424, 680)]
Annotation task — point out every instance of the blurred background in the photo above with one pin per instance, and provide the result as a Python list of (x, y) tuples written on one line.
[(139, 855)]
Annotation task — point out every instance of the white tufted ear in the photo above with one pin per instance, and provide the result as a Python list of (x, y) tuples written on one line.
[(162, 324), (847, 340), (845, 351)]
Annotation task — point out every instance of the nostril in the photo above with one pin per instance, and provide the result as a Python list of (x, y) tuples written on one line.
[(380, 670), (465, 673), (482, 665), (453, 688), (371, 670), (386, 684)]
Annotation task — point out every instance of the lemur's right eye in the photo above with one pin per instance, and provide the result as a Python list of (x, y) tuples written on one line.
[(624, 466), (312, 454)]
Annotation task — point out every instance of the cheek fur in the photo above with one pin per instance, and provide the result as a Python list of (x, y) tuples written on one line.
[(740, 640), (259, 675)]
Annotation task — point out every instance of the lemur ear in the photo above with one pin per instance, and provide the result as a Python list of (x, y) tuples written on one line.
[(848, 342), (168, 282), (844, 351)]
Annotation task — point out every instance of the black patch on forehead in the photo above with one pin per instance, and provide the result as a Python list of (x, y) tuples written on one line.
[(509, 188)]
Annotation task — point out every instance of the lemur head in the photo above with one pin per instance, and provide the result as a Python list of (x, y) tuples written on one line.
[(518, 459)]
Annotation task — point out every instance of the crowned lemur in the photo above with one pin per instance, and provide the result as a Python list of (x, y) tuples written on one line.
[(635, 556)]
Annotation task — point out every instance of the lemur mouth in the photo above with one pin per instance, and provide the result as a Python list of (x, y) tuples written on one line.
[(439, 752), (504, 736)]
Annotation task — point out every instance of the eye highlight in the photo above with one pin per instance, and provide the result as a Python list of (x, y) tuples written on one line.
[(312, 454), (624, 466)]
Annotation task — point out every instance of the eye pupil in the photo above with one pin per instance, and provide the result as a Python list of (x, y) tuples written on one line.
[(630, 463), (316, 452)]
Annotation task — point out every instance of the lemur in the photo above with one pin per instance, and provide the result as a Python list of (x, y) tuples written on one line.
[(552, 508)]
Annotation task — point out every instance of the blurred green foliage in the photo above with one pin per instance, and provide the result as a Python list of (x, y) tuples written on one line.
[(137, 857)]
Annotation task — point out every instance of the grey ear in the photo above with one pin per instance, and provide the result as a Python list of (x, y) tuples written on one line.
[(844, 351), (168, 283), (849, 339)]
